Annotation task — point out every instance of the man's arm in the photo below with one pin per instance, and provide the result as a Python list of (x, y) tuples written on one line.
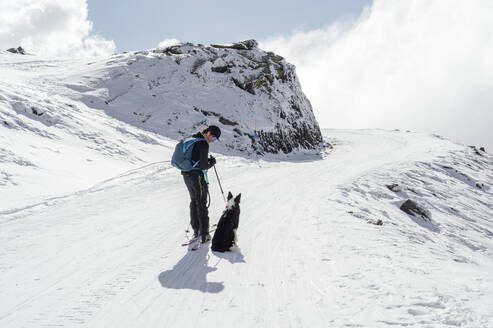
[(203, 155)]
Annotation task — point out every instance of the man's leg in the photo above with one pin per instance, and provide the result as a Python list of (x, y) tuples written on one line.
[(203, 212), (194, 191)]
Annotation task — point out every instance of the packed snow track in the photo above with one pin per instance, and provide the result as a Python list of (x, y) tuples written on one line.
[(111, 255)]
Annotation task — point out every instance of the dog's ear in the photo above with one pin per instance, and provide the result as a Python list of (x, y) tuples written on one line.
[(237, 199), (230, 195)]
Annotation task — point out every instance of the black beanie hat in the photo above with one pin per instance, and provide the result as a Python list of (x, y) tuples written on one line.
[(214, 130)]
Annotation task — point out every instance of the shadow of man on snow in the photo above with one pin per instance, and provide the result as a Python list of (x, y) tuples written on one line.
[(232, 257), (191, 273)]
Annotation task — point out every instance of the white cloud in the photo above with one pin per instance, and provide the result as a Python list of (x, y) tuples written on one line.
[(419, 65), (168, 43), (50, 28)]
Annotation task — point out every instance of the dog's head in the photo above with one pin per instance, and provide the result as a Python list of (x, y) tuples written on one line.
[(233, 203)]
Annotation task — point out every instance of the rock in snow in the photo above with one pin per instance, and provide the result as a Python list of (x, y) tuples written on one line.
[(394, 187), (413, 208), (244, 45), (18, 50)]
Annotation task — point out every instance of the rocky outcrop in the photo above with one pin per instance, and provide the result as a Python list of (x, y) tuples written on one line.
[(413, 208), (394, 187), (254, 96), (18, 50), (478, 152), (281, 140), (243, 45)]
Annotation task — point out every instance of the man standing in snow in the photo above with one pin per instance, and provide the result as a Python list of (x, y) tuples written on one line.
[(196, 183)]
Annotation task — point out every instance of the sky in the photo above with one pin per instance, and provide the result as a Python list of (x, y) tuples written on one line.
[(419, 65), (137, 25)]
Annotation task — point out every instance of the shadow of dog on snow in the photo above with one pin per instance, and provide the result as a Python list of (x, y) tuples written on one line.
[(225, 238)]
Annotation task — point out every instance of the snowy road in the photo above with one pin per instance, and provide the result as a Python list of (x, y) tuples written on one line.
[(110, 256)]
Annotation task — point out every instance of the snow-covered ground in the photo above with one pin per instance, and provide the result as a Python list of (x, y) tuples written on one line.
[(92, 215), (109, 255), (51, 143)]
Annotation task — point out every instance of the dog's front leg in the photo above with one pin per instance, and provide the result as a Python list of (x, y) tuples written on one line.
[(236, 237)]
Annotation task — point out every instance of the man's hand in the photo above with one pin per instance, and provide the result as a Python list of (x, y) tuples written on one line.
[(212, 161)]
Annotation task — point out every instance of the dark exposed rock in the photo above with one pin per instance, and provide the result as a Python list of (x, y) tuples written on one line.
[(225, 121), (243, 45), (303, 136), (196, 65), (476, 151), (295, 106), (394, 187), (221, 118), (256, 82), (36, 112), (206, 113), (413, 208), (247, 86), (480, 185), (173, 50), (376, 222), (221, 69), (274, 57), (18, 50)]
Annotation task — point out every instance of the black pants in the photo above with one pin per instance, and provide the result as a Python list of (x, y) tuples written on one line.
[(199, 215)]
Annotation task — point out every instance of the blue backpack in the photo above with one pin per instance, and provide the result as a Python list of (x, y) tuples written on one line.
[(182, 157)]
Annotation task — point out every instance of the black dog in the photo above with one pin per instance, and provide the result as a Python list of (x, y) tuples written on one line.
[(225, 235)]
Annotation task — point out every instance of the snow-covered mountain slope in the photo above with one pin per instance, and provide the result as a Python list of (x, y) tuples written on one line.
[(176, 90), (110, 255), (67, 124), (51, 144)]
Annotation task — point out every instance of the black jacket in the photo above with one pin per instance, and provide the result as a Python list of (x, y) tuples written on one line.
[(200, 152)]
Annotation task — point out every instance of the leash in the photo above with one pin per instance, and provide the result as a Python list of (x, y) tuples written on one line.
[(219, 183)]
